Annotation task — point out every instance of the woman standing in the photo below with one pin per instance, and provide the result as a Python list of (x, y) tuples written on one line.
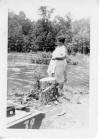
[(58, 63)]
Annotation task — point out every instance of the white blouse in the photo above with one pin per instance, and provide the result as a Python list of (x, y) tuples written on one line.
[(60, 51)]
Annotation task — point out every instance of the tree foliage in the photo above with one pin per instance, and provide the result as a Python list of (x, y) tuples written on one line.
[(25, 35), (81, 35)]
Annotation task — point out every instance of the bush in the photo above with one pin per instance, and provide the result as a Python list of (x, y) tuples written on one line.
[(46, 55), (40, 61), (41, 58)]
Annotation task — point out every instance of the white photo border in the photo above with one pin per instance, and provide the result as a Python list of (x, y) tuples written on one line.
[(91, 131)]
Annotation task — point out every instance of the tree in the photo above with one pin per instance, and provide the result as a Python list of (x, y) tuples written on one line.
[(19, 32), (45, 13), (64, 27), (81, 35), (44, 32), (14, 31)]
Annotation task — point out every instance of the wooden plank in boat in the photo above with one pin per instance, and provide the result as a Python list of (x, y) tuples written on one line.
[(20, 117)]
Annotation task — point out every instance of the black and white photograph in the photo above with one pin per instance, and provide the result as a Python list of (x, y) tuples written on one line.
[(48, 64)]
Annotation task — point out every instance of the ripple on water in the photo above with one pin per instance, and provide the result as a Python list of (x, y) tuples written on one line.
[(14, 69)]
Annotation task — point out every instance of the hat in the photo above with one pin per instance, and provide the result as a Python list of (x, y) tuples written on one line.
[(61, 39)]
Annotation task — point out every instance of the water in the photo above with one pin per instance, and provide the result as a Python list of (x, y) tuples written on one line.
[(24, 76)]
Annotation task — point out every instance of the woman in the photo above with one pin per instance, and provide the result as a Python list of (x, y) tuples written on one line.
[(58, 63)]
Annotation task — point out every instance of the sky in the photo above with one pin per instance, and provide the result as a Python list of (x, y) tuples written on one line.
[(78, 8)]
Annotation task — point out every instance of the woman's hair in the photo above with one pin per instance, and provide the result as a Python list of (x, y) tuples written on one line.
[(61, 39)]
